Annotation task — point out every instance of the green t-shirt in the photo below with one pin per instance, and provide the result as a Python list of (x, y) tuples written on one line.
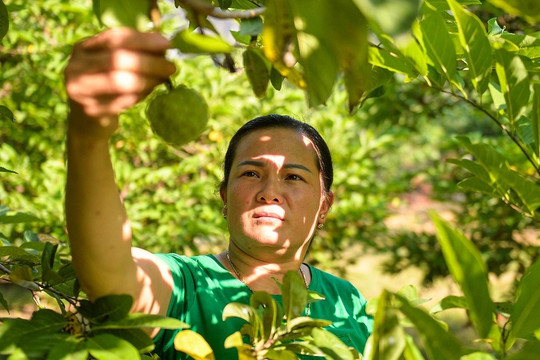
[(203, 287)]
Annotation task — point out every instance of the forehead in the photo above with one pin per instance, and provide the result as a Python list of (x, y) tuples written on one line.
[(288, 144)]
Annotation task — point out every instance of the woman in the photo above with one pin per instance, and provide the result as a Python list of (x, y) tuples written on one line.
[(276, 191)]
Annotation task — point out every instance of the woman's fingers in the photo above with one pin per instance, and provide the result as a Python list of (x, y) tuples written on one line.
[(115, 69)]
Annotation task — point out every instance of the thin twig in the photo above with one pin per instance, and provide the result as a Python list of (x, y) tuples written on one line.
[(5, 269), (501, 125), (210, 10)]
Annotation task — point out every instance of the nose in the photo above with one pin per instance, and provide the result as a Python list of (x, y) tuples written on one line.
[(269, 192)]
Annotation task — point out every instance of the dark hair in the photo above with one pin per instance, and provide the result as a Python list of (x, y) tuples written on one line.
[(282, 121)]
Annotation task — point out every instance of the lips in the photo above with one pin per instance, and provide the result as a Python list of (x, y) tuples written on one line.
[(266, 215)]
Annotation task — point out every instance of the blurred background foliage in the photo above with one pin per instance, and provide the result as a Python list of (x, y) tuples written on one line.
[(388, 154)]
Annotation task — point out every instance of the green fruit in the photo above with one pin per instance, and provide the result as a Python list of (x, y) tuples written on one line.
[(178, 116)]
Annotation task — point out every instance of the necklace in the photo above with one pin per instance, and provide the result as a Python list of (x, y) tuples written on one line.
[(239, 277), (237, 273)]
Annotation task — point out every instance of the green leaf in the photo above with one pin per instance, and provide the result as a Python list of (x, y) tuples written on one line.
[(23, 276), (294, 295), (506, 183), (383, 58), (320, 66), (278, 30), (535, 118), (440, 344), (281, 354), (514, 82), (43, 324), (388, 338), (5, 113), (251, 27), (469, 271), (246, 313), (271, 317), (136, 337), (70, 348), (438, 43), (524, 317), (190, 42), (106, 308), (194, 345), (18, 254), (528, 9), (383, 14), (4, 27), (525, 45), (478, 356), (304, 321), (530, 350), (493, 27), (17, 218), (257, 70), (4, 302), (4, 170), (143, 321), (129, 13), (331, 345), (276, 78), (411, 351), (473, 39), (110, 347)]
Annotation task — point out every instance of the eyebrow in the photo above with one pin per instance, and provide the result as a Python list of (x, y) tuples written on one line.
[(262, 164)]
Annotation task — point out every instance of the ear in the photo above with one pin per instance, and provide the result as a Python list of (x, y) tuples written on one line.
[(223, 194), (325, 206)]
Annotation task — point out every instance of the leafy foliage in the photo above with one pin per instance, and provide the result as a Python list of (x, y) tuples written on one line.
[(346, 52)]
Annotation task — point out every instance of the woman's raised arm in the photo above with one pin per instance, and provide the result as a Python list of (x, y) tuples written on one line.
[(106, 74)]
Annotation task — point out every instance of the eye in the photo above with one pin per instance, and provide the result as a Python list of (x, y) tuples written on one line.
[(249, 173), (294, 177)]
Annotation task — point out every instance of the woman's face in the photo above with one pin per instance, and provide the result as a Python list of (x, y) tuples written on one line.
[(274, 195)]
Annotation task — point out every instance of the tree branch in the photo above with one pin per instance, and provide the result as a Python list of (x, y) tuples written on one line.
[(210, 10), (501, 125)]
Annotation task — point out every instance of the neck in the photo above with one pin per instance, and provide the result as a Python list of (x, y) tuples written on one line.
[(260, 275)]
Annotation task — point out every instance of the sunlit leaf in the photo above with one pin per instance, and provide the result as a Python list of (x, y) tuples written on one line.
[(478, 356), (278, 32), (514, 82), (128, 13), (388, 338), (281, 354), (441, 344), (383, 14), (411, 351), (110, 347), (194, 345), (530, 350), (468, 269), (69, 349), (524, 316), (438, 43), (535, 118), (294, 295), (140, 320), (331, 345), (190, 42), (473, 39), (4, 22), (17, 217), (528, 9)]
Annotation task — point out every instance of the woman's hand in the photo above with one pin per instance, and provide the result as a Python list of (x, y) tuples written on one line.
[(110, 72)]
